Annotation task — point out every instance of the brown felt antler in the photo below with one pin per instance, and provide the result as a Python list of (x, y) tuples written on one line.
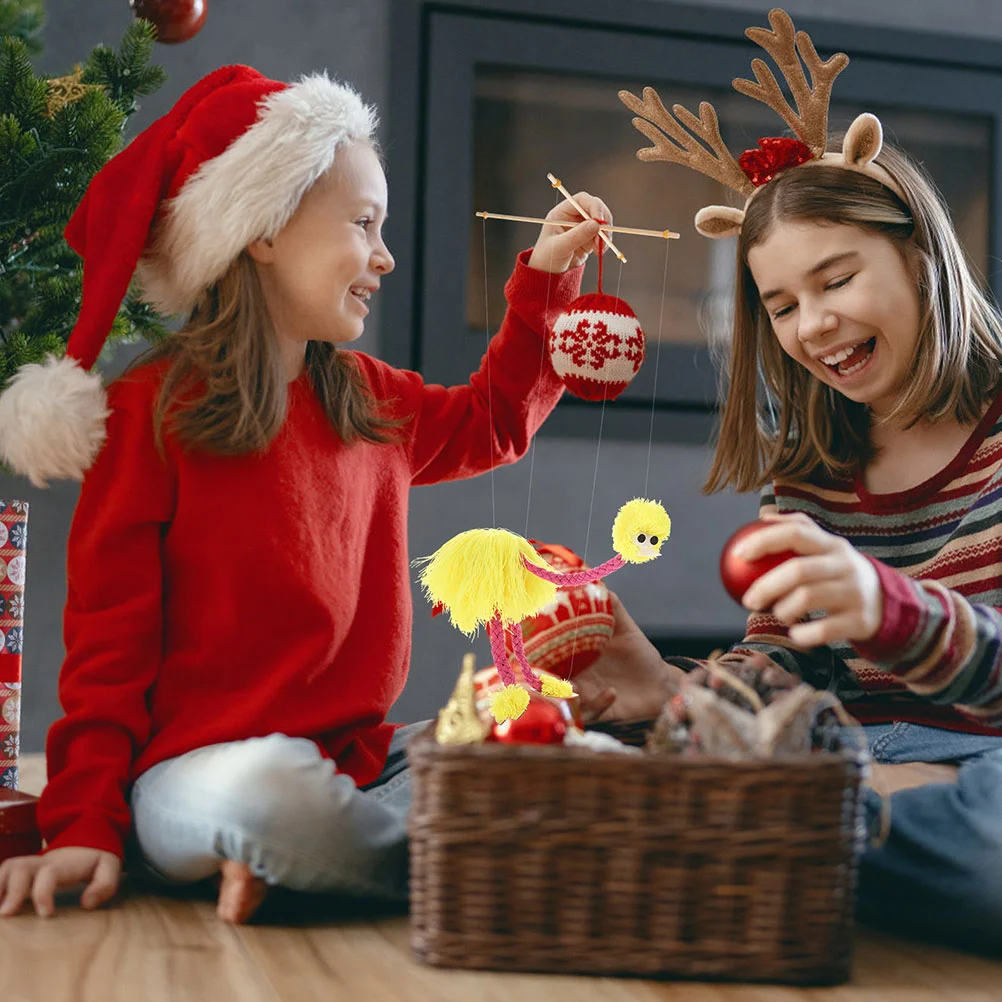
[(673, 143), (809, 121)]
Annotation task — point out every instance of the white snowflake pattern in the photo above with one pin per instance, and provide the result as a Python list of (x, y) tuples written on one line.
[(12, 710), (9, 747), (15, 571), (16, 607), (20, 506), (19, 535)]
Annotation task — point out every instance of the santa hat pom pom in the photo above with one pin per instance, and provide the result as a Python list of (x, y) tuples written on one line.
[(52, 420), (597, 346)]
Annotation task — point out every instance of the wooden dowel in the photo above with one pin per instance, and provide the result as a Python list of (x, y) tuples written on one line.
[(664, 234), (555, 181)]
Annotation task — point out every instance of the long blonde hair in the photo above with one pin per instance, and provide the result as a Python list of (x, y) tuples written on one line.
[(794, 426), (225, 390)]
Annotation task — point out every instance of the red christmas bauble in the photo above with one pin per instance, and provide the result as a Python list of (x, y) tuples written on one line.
[(739, 575), (597, 346), (175, 20), (569, 634), (542, 723)]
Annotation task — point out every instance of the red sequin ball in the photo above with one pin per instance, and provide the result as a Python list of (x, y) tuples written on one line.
[(775, 154)]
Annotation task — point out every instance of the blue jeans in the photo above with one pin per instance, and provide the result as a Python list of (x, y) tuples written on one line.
[(275, 804), (939, 874)]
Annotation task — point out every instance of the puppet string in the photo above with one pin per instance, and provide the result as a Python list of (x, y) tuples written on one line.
[(657, 360), (490, 408)]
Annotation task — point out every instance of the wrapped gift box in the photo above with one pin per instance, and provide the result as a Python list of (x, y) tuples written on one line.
[(13, 546), (18, 827)]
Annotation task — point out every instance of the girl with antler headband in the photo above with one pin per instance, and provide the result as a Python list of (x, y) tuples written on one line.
[(864, 400)]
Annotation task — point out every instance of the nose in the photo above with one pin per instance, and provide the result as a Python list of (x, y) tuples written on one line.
[(815, 320), (382, 260)]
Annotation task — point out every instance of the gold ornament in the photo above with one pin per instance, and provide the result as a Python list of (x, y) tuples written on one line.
[(66, 90), (458, 721)]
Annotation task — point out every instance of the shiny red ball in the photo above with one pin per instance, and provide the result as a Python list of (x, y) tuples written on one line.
[(739, 575), (541, 724), (175, 20)]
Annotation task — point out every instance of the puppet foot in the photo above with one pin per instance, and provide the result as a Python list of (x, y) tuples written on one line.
[(240, 892), (559, 688), (509, 703)]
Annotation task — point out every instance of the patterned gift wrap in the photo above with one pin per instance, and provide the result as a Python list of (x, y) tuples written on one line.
[(13, 545)]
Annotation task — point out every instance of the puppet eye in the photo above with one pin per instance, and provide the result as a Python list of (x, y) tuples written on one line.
[(654, 540), (641, 537)]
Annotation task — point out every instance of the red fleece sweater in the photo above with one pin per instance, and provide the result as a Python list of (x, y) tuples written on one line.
[(215, 599)]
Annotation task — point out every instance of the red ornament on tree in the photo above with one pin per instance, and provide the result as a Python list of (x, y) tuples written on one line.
[(175, 20), (542, 723), (739, 575)]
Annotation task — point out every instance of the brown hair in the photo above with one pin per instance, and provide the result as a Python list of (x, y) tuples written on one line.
[(225, 390), (799, 426)]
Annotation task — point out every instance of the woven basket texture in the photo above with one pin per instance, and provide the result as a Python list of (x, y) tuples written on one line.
[(565, 860)]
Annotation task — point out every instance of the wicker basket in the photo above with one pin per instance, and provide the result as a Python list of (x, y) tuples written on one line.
[(546, 858)]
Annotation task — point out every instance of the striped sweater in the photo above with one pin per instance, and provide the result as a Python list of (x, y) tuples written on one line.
[(937, 656)]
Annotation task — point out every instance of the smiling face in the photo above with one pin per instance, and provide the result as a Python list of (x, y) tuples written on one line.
[(843, 303), (320, 271)]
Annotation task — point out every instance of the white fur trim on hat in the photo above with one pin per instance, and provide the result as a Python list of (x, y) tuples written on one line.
[(250, 190), (52, 420)]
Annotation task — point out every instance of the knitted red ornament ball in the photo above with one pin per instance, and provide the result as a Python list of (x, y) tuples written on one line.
[(597, 346), (569, 634)]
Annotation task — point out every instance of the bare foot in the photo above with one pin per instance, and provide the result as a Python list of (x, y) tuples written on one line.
[(888, 779), (240, 892)]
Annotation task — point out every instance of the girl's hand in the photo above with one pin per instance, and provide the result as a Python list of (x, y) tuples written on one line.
[(560, 247), (830, 574), (630, 681), (41, 876)]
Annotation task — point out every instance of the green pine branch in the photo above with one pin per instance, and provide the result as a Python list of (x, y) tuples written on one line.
[(46, 163)]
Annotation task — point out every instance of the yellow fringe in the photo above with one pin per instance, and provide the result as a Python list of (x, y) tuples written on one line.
[(480, 572), (636, 516), (509, 703)]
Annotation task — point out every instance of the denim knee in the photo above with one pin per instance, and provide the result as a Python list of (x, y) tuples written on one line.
[(940, 872), (259, 784)]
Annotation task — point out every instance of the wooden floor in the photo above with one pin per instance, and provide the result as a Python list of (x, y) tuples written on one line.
[(161, 949)]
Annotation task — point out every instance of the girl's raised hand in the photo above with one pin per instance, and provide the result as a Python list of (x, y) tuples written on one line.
[(829, 574), (560, 247), (40, 877)]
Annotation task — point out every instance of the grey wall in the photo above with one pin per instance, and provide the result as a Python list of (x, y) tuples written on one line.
[(680, 593)]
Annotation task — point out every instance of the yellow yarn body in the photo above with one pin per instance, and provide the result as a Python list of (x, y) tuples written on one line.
[(640, 517), (480, 572)]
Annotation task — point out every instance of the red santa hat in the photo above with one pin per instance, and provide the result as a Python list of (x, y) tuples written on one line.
[(227, 165)]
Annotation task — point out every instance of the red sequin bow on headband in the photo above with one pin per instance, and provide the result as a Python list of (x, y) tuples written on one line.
[(774, 154)]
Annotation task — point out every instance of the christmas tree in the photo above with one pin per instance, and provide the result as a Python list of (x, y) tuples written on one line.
[(55, 134)]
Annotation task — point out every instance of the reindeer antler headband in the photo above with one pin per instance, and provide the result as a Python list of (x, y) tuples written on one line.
[(683, 138)]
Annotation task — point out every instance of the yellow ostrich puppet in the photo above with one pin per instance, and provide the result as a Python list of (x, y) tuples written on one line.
[(496, 578)]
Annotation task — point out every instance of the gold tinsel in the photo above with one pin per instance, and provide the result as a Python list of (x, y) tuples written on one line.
[(458, 722), (66, 90)]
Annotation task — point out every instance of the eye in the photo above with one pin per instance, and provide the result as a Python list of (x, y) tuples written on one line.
[(641, 537), (654, 540), (782, 312), (365, 222), (839, 282)]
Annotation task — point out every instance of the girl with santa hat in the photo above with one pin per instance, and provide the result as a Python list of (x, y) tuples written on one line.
[(238, 616)]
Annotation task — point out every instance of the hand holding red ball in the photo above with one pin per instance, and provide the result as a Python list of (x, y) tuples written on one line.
[(738, 574), (791, 566)]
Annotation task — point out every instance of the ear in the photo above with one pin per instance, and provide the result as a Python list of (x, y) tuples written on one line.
[(717, 221), (262, 251), (863, 141)]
